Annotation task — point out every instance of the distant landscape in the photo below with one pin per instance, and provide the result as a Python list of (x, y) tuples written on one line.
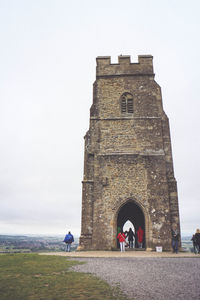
[(31, 244)]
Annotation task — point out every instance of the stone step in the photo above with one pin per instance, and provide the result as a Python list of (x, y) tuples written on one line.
[(135, 249)]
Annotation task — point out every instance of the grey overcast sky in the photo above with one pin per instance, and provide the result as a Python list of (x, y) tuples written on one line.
[(47, 68)]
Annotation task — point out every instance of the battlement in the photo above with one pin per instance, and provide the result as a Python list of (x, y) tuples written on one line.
[(124, 66)]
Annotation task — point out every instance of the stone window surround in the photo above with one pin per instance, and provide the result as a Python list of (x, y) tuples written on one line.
[(126, 103)]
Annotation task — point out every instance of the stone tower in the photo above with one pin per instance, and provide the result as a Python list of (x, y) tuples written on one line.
[(128, 167)]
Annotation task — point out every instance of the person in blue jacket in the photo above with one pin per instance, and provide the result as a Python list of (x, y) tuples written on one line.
[(69, 239)]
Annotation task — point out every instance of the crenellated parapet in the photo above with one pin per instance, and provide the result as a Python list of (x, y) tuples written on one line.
[(124, 66)]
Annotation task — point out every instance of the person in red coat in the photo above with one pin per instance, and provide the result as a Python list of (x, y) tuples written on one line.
[(140, 234), (122, 239)]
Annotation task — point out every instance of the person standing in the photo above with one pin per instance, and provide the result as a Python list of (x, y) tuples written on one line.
[(130, 234), (195, 246), (175, 238), (122, 239), (197, 237), (140, 234), (69, 239)]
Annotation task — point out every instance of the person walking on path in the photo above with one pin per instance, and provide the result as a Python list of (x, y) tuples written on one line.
[(122, 239), (140, 234), (175, 238), (130, 235), (197, 237), (69, 239)]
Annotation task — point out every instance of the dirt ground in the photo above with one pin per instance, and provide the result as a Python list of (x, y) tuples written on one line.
[(121, 254)]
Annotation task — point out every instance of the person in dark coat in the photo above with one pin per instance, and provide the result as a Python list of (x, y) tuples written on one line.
[(195, 246), (197, 237), (131, 236), (175, 238)]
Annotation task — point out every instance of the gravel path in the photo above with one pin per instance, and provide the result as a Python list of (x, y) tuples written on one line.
[(148, 278)]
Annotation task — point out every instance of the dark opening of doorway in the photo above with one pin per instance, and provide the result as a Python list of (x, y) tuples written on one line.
[(132, 212)]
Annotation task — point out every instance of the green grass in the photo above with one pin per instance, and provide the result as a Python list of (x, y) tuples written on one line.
[(33, 276)]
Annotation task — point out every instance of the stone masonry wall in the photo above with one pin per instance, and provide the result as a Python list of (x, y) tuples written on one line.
[(127, 156)]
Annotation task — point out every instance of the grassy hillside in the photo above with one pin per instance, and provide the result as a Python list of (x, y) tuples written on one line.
[(32, 276)]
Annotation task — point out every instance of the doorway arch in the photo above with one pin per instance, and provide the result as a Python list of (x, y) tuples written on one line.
[(132, 212), (127, 225)]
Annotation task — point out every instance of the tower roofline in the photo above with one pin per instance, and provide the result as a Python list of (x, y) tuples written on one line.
[(144, 66)]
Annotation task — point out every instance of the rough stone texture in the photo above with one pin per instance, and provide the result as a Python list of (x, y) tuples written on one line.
[(128, 160)]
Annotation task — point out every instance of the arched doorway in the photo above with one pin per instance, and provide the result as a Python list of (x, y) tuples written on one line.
[(128, 225), (130, 211)]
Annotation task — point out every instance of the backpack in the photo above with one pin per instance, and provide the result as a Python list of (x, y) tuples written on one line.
[(68, 238)]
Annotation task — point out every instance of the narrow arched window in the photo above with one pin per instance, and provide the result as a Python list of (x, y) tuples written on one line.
[(127, 103), (123, 104)]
